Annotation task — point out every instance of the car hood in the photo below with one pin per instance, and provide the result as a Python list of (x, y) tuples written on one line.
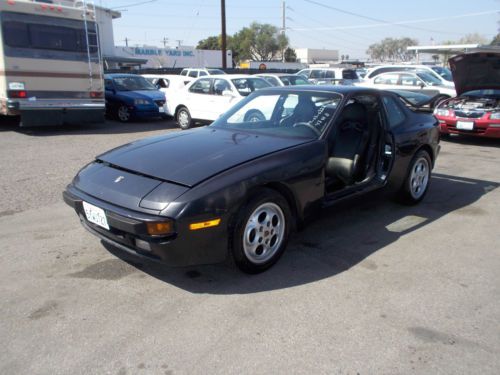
[(143, 94), (476, 71), (190, 157)]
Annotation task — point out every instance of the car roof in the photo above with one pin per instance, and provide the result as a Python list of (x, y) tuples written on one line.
[(116, 75), (340, 89), (229, 76), (274, 74)]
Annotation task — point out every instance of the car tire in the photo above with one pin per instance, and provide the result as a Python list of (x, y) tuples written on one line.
[(254, 115), (261, 232), (123, 113), (417, 180), (183, 118)]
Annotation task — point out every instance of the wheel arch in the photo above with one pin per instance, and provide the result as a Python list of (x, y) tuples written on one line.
[(428, 149)]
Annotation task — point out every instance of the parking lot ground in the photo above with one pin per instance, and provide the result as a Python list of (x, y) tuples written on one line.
[(369, 287)]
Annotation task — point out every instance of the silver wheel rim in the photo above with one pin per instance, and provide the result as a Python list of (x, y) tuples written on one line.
[(183, 119), (123, 113), (419, 178), (264, 233)]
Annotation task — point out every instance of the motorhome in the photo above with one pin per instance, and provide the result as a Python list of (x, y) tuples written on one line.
[(50, 63)]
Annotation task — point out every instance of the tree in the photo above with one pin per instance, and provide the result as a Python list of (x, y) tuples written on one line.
[(290, 55), (496, 40), (211, 43), (261, 42), (474, 38), (392, 49)]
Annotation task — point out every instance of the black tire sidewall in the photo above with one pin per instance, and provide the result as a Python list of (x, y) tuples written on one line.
[(237, 252)]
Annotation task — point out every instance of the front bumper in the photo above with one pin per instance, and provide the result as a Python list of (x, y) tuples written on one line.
[(481, 129), (128, 233)]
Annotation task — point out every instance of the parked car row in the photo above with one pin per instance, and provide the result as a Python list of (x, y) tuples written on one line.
[(203, 95)]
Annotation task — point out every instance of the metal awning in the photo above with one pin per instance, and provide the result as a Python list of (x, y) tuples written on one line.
[(123, 61)]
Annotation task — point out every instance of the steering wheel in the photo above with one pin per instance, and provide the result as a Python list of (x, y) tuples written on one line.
[(309, 126)]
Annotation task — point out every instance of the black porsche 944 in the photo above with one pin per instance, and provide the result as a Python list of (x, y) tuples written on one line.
[(239, 186)]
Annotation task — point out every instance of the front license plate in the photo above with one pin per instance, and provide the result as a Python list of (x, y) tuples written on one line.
[(95, 215), (465, 125)]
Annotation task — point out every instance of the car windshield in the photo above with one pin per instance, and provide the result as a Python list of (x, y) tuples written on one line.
[(429, 79), (246, 86), (303, 114), (443, 72), (215, 71), (490, 93), (293, 80), (132, 83)]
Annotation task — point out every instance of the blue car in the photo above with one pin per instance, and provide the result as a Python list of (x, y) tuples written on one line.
[(129, 96)]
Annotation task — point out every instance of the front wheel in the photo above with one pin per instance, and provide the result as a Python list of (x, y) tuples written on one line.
[(183, 118), (417, 179), (123, 113), (261, 232)]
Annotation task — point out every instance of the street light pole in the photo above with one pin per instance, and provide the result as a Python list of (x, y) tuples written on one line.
[(223, 41)]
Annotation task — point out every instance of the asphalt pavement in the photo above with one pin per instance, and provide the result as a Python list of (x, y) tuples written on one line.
[(369, 287)]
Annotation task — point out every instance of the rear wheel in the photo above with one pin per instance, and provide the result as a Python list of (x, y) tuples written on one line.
[(417, 179), (261, 232), (123, 113), (183, 118)]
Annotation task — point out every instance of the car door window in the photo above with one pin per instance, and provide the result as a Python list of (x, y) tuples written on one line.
[(409, 80), (193, 74), (221, 85), (329, 74), (317, 74), (395, 114), (386, 79), (202, 73), (202, 86), (306, 73), (162, 83)]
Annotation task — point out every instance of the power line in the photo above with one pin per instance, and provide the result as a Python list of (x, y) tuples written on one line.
[(387, 23)]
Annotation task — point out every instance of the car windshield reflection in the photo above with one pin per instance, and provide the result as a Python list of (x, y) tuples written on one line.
[(133, 84), (290, 114)]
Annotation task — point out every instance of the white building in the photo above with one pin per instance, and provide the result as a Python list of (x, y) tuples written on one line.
[(317, 56)]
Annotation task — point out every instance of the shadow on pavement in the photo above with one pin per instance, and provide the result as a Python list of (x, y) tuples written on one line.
[(472, 141), (341, 237)]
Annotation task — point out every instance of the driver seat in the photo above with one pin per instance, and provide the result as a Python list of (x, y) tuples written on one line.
[(350, 144), (304, 111)]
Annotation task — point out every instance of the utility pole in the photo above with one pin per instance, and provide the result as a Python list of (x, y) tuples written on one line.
[(283, 29), (223, 33), (165, 40)]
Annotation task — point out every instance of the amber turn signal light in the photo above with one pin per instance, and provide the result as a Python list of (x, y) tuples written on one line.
[(159, 228), (204, 224)]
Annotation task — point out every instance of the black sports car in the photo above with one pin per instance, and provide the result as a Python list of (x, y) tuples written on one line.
[(239, 186)]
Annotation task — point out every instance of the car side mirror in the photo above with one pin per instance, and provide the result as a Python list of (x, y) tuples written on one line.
[(422, 85)]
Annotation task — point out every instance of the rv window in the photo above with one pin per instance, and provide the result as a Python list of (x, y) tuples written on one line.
[(53, 37), (15, 34)]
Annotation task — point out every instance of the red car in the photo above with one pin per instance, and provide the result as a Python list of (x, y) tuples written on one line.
[(476, 109)]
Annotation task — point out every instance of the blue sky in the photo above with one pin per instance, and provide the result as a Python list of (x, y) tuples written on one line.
[(350, 28)]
